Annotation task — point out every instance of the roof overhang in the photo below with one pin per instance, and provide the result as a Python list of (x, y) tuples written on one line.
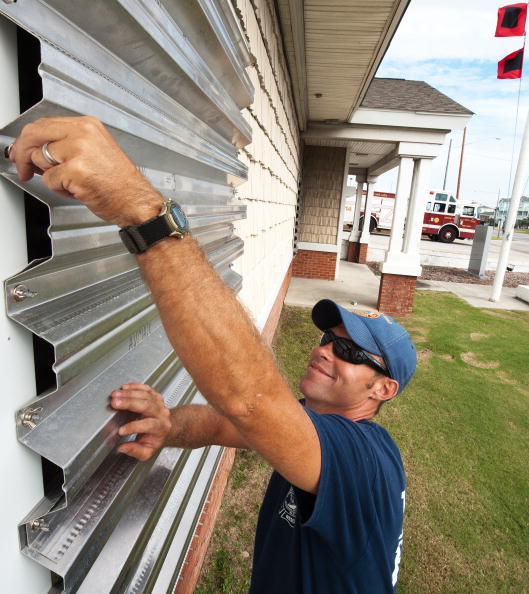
[(333, 50), (374, 148), (409, 119)]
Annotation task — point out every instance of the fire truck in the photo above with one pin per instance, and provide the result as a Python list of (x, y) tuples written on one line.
[(445, 218)]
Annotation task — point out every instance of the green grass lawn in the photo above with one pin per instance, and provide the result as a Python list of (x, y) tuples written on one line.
[(463, 429)]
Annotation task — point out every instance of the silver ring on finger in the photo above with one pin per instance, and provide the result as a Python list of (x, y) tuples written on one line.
[(46, 154)]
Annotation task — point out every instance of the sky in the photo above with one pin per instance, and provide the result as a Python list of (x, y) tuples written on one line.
[(450, 44)]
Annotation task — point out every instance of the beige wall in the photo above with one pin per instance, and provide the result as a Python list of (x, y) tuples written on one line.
[(323, 176), (273, 160)]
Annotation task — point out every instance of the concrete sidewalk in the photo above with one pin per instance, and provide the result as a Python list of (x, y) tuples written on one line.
[(477, 295), (357, 287)]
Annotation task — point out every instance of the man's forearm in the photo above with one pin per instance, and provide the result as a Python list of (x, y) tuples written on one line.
[(198, 425), (199, 314)]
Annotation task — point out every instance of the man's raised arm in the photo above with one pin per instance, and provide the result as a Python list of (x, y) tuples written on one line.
[(208, 328)]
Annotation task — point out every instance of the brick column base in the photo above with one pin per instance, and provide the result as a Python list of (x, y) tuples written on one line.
[(313, 264), (362, 253), (396, 293), (352, 251)]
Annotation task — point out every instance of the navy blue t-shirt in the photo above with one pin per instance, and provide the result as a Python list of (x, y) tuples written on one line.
[(348, 537)]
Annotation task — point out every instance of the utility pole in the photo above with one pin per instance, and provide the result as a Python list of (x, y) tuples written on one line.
[(461, 162), (447, 161), (497, 212)]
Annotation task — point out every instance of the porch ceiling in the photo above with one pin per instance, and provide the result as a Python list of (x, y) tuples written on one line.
[(362, 154), (333, 49)]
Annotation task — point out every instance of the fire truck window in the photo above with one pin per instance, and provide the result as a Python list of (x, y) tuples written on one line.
[(451, 208), (452, 199), (439, 207), (468, 211), (441, 197), (429, 206)]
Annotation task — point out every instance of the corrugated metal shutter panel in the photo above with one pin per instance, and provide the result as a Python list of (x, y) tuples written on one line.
[(168, 79)]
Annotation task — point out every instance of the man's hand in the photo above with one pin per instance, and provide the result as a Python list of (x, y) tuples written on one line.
[(152, 428), (92, 168)]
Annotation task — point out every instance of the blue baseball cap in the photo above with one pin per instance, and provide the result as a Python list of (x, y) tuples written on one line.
[(376, 333)]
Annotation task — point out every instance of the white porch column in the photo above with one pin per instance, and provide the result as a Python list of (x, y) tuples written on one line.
[(419, 197), (371, 181), (395, 257), (403, 256), (356, 231)]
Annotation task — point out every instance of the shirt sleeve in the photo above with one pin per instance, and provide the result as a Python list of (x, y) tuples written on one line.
[(343, 508)]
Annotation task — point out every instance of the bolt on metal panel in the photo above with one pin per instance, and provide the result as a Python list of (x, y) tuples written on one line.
[(168, 80)]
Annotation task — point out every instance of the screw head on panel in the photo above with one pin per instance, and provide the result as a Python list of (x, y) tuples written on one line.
[(20, 292)]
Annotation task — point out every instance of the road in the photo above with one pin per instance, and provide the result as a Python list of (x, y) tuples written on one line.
[(457, 253), (520, 243)]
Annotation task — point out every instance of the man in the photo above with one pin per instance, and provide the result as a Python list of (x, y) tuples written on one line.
[(332, 517)]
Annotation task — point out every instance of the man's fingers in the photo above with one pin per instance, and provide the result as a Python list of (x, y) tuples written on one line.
[(136, 450), (27, 146), (27, 149), (40, 161), (140, 387), (134, 404), (149, 425)]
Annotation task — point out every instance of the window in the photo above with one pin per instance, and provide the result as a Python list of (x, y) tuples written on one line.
[(441, 197), (451, 208), (452, 199), (438, 207), (468, 211), (429, 206)]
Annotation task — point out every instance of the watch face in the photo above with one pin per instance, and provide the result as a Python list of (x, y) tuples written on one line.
[(179, 217)]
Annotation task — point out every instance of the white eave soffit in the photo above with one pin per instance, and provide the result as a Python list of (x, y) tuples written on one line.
[(408, 119), (349, 81)]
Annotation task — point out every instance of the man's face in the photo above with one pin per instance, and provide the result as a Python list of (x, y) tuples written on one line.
[(331, 384)]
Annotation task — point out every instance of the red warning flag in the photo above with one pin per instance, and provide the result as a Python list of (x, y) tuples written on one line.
[(511, 20), (511, 65)]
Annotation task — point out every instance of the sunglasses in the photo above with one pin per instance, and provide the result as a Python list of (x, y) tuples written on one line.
[(348, 351)]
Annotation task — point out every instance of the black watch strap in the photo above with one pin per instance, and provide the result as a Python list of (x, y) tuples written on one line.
[(171, 222), (138, 239)]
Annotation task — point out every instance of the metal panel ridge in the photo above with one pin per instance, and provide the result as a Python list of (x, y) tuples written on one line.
[(152, 128), (144, 37), (68, 539)]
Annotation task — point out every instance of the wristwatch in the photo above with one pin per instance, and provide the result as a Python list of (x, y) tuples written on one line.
[(171, 222)]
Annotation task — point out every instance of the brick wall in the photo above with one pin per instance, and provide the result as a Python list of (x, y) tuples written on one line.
[(275, 313), (362, 253), (357, 252), (396, 294), (312, 264), (199, 544), (352, 251)]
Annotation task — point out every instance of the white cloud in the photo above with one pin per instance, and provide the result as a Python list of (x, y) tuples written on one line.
[(451, 29), (450, 44)]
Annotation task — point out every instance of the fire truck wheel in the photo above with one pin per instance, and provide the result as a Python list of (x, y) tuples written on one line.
[(372, 224), (447, 235)]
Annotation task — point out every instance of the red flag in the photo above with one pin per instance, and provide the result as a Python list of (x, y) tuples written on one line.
[(511, 20), (511, 65)]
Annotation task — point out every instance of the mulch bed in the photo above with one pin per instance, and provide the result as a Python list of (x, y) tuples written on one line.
[(458, 275)]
